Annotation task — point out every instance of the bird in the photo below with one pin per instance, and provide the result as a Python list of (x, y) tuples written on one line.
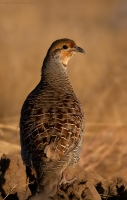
[(52, 120)]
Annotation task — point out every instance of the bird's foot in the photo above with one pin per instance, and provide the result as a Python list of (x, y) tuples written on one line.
[(64, 180)]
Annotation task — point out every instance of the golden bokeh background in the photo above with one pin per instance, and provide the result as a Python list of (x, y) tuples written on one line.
[(99, 78)]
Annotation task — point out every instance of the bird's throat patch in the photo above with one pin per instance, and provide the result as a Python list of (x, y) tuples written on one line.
[(66, 57)]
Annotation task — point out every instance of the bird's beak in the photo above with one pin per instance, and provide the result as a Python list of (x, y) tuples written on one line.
[(79, 49)]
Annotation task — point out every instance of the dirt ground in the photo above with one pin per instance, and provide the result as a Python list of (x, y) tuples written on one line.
[(15, 184)]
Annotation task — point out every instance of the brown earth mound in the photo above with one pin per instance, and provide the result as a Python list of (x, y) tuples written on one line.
[(16, 185)]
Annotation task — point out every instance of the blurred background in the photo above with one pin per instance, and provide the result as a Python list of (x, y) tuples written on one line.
[(99, 78)]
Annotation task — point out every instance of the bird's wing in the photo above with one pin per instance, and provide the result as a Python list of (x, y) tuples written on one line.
[(51, 132)]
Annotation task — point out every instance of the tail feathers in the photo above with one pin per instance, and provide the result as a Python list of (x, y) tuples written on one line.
[(48, 184), (44, 193), (40, 197), (48, 192)]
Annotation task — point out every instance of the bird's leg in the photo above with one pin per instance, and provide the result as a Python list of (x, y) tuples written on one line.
[(64, 180)]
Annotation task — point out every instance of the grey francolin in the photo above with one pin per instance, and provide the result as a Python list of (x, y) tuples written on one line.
[(52, 120)]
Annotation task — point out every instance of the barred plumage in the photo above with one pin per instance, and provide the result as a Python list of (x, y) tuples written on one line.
[(52, 120)]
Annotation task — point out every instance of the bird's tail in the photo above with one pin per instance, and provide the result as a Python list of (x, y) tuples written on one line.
[(48, 183)]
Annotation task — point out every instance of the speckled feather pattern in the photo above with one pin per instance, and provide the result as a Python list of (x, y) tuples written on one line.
[(52, 120)]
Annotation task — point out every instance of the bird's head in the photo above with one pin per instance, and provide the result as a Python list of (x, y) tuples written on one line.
[(62, 50)]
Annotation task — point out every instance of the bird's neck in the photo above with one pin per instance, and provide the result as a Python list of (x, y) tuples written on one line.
[(54, 74)]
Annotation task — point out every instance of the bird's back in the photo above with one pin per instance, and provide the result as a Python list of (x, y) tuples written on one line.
[(48, 116)]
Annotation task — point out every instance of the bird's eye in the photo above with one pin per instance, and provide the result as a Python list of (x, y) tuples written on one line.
[(65, 47)]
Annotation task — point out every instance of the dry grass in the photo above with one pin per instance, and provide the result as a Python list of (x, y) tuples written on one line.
[(105, 151), (99, 78)]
